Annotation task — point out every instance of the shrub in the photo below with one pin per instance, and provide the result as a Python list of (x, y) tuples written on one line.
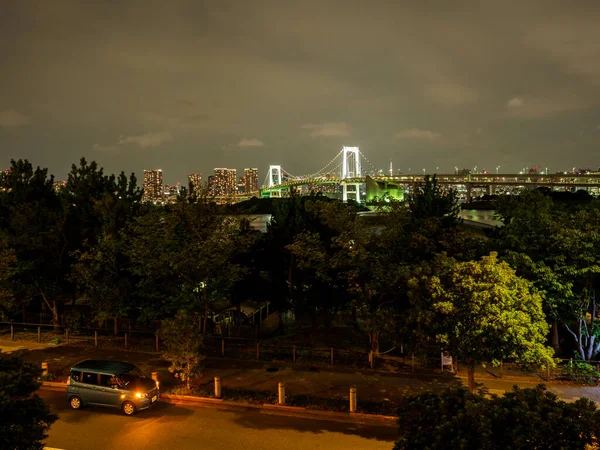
[(521, 419), (581, 372)]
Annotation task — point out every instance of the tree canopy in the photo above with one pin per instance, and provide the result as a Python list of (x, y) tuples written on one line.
[(25, 418), (526, 419)]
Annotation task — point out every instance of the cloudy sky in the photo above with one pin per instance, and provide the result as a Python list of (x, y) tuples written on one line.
[(191, 85)]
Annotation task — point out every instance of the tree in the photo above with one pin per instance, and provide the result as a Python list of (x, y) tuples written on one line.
[(353, 255), (103, 277), (7, 263), (520, 419), (25, 418), (184, 256), (430, 201), (34, 223), (183, 345), (480, 311), (558, 250)]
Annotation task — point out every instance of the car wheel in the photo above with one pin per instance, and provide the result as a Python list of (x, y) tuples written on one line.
[(75, 402), (128, 408)]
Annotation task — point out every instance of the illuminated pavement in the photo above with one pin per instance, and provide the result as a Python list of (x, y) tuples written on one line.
[(183, 427)]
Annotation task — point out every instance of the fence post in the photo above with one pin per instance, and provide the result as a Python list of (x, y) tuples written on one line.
[(223, 348), (281, 392), (125, 341), (39, 334), (12, 332), (332, 356), (156, 342), (217, 387), (258, 351), (353, 400), (44, 368), (294, 353), (67, 336), (95, 338)]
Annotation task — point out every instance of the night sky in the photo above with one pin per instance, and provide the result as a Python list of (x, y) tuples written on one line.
[(187, 86)]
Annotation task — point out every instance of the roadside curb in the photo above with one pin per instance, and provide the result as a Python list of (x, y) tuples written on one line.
[(266, 408)]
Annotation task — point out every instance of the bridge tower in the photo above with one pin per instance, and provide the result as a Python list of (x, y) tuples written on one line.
[(275, 180), (351, 169)]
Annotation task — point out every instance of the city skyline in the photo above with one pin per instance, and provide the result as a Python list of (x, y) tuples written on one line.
[(247, 84)]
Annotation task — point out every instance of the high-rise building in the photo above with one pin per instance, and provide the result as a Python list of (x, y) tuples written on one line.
[(170, 193), (225, 181), (250, 180), (153, 188), (195, 179), (59, 185), (211, 185)]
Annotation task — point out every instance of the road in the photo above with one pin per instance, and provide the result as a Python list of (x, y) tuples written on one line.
[(188, 427)]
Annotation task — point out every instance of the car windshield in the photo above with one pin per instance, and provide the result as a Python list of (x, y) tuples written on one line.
[(132, 377)]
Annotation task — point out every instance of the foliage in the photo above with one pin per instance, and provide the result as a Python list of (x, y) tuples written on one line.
[(350, 256), (431, 201), (102, 276), (479, 311), (33, 224), (521, 419), (184, 257), (183, 346), (558, 250), (581, 372), (25, 419)]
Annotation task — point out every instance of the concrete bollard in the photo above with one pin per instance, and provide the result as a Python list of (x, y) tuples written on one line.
[(217, 387), (44, 368), (353, 400), (281, 392)]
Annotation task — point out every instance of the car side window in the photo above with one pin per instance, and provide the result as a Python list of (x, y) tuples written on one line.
[(76, 375), (90, 378), (109, 381)]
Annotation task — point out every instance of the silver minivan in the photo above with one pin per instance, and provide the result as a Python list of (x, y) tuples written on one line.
[(111, 383)]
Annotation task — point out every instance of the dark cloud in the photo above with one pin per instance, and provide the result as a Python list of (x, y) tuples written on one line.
[(425, 83)]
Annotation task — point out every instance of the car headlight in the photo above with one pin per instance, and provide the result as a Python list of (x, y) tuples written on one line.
[(139, 395)]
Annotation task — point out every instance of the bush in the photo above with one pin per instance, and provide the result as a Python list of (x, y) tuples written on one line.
[(581, 372), (48, 377), (25, 418), (521, 419)]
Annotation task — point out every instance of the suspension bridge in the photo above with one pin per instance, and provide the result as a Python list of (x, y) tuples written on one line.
[(346, 170)]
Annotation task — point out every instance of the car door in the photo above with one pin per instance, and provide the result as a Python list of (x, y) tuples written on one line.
[(90, 389), (110, 393)]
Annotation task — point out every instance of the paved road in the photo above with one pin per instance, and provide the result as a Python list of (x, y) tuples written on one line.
[(184, 427)]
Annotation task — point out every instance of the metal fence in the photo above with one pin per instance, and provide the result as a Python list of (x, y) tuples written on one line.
[(250, 349)]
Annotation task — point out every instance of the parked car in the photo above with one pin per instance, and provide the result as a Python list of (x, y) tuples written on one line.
[(111, 383)]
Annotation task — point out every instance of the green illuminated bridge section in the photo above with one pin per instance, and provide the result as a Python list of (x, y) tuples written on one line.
[(469, 181)]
